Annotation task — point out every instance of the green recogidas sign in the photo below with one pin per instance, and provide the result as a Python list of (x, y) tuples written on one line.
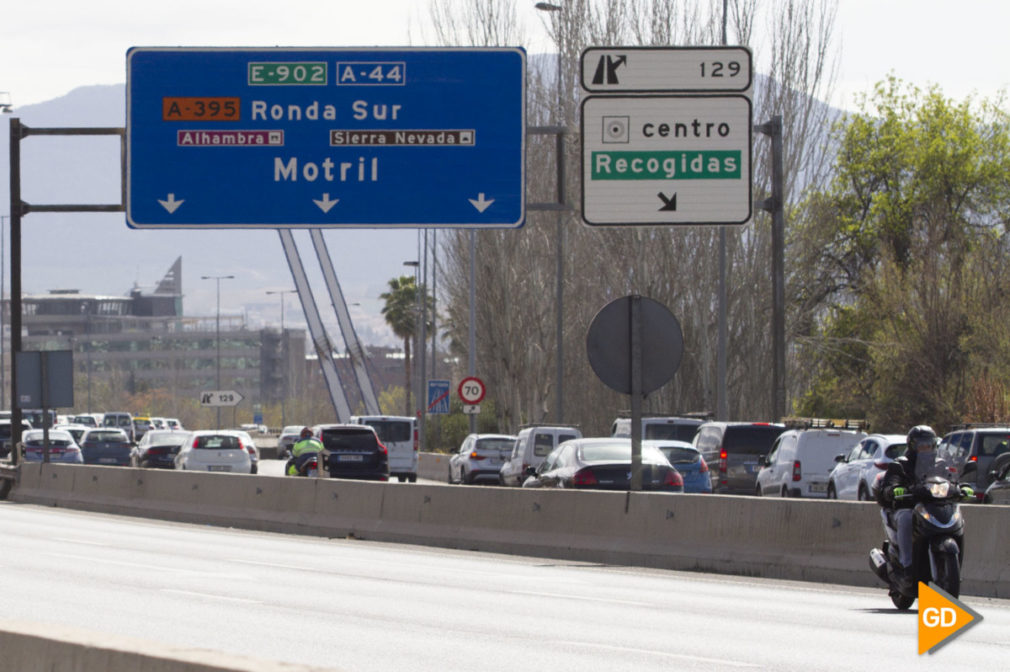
[(666, 165)]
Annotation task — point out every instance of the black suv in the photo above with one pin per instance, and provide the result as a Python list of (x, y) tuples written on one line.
[(977, 449), (352, 451)]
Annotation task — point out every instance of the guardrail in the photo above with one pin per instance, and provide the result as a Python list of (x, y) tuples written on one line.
[(808, 540)]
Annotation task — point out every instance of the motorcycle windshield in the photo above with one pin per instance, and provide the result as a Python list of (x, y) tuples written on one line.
[(939, 464)]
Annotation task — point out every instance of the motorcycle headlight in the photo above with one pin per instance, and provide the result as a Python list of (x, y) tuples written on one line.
[(939, 490)]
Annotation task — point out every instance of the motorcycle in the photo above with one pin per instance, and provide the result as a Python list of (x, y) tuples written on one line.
[(309, 466), (937, 540)]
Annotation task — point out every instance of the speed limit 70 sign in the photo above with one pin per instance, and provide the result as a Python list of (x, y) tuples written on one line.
[(471, 390)]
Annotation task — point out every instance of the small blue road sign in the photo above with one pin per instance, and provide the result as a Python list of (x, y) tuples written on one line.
[(438, 397), (314, 137)]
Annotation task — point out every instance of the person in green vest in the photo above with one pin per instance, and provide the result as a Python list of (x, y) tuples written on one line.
[(306, 446)]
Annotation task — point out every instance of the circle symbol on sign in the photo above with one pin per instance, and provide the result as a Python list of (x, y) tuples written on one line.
[(471, 390), (615, 129)]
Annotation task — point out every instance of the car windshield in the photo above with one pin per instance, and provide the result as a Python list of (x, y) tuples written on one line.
[(895, 450), (107, 437), (497, 443), (391, 430), (349, 440), (751, 439), (993, 445), (670, 432), (217, 442), (677, 455), (618, 452)]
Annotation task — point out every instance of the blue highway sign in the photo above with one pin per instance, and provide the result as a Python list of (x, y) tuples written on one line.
[(369, 138), (438, 397)]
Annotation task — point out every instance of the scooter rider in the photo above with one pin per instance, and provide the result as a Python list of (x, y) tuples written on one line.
[(306, 446), (899, 489)]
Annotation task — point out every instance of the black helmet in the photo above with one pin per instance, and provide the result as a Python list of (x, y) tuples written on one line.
[(305, 433), (921, 435)]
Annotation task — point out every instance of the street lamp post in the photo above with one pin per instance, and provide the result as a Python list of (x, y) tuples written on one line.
[(559, 262), (217, 331), (284, 354)]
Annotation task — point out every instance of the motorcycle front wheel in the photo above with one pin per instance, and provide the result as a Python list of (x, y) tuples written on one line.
[(948, 573), (900, 600)]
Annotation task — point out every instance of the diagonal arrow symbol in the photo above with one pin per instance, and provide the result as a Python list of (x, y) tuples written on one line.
[(669, 204)]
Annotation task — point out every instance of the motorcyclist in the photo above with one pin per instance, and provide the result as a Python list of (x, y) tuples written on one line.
[(900, 487), (306, 446)]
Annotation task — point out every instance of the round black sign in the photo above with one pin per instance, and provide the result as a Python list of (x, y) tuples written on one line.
[(608, 344)]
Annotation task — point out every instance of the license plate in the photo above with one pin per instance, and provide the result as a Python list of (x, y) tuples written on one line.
[(218, 467), (350, 458), (107, 460), (818, 487)]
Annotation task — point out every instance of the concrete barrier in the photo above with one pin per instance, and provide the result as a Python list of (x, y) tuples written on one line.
[(809, 540), (433, 467), (65, 649)]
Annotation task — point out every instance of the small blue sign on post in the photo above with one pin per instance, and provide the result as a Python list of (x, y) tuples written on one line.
[(438, 397), (314, 137)]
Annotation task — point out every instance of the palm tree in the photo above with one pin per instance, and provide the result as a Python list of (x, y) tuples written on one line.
[(400, 312)]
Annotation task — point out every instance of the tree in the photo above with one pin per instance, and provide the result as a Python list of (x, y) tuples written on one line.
[(902, 261), (400, 311), (516, 310)]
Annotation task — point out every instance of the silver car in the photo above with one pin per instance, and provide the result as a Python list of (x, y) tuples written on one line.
[(480, 458), (855, 471)]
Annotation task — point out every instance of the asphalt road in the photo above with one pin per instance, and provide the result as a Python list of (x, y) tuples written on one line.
[(360, 605)]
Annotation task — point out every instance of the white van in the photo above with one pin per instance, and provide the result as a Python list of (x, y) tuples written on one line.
[(663, 428), (801, 460), (398, 433), (531, 447)]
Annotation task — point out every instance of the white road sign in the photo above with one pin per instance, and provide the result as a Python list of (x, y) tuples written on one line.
[(220, 398), (666, 69), (666, 159), (471, 390)]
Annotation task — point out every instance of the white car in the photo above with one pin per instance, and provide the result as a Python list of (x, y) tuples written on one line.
[(212, 450), (250, 446), (855, 471), (801, 461)]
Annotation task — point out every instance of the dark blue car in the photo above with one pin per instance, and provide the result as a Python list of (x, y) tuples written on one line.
[(106, 445)]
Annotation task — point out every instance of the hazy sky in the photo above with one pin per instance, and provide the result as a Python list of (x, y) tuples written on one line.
[(48, 47)]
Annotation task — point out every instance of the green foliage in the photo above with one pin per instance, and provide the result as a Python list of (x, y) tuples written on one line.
[(904, 260)]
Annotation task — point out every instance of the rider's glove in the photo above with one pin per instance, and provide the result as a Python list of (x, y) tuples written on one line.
[(920, 490), (899, 492), (967, 492)]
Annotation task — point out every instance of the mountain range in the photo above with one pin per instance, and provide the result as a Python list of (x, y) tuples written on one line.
[(97, 253)]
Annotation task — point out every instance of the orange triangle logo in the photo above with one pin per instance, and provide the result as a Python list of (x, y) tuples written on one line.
[(941, 618)]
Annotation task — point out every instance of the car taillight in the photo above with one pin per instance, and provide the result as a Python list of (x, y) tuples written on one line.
[(973, 458), (196, 443), (415, 440), (382, 448), (673, 479), (704, 465), (797, 472), (584, 477), (723, 456), (474, 455), (157, 450)]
